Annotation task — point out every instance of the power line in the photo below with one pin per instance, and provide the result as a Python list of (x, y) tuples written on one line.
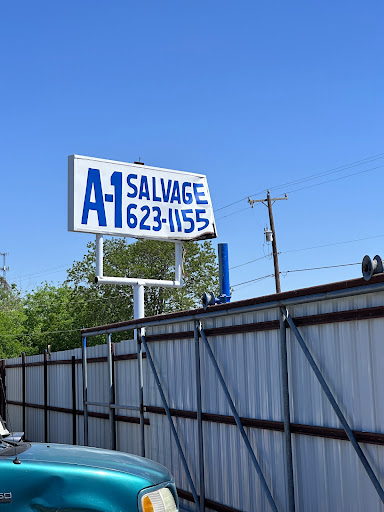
[(253, 280), (307, 187), (65, 302), (308, 178), (309, 248), (296, 270), (234, 213), (267, 256), (333, 244), (319, 268), (51, 270), (331, 171), (336, 179), (41, 272), (44, 333)]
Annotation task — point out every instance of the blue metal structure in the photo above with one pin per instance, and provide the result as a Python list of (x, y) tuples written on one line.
[(225, 290), (208, 298)]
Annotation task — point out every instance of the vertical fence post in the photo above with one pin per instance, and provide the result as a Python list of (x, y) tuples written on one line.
[(169, 416), (74, 417), (286, 414), (199, 416), (3, 411), (23, 378), (85, 389), (334, 404), (114, 396), (254, 460), (45, 396), (111, 395), (141, 390)]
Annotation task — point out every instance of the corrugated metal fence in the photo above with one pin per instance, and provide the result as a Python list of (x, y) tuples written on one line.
[(342, 325)]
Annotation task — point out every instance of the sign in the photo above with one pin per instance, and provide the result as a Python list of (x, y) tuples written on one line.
[(121, 199)]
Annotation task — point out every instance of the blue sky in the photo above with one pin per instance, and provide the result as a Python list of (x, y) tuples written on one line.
[(252, 94)]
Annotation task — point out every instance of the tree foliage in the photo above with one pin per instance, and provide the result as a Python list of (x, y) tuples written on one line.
[(147, 259), (12, 317), (49, 309), (79, 302)]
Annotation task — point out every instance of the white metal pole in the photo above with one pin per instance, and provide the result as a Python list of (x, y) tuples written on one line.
[(138, 309), (177, 283), (111, 394), (99, 255), (179, 263), (138, 312), (138, 300)]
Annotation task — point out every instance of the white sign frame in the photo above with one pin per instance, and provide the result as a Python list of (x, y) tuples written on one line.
[(107, 197)]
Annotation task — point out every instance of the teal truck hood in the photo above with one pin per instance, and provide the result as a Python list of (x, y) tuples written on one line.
[(96, 458), (54, 477)]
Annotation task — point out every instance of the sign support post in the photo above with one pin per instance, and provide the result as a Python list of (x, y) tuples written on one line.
[(106, 197)]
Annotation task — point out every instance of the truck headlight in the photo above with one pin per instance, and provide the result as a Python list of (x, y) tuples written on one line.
[(161, 500)]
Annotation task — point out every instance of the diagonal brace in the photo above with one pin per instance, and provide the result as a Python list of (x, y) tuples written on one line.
[(334, 405), (168, 413), (238, 421)]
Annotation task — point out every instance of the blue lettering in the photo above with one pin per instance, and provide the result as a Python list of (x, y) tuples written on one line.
[(175, 193), (117, 182), (199, 194), (93, 182), (187, 196), (166, 193), (132, 185), (155, 197), (188, 219), (147, 211), (199, 218), (144, 191)]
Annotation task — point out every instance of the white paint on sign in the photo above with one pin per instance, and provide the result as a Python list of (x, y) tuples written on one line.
[(122, 199)]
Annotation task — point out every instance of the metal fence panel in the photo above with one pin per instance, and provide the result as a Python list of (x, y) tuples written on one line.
[(60, 428), (14, 384), (327, 473), (330, 477), (350, 356), (250, 365)]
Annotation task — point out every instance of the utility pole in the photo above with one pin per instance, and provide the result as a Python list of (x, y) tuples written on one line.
[(4, 268), (268, 202)]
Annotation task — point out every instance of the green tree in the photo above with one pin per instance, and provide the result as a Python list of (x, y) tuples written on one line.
[(12, 339), (50, 309), (146, 259), (79, 302)]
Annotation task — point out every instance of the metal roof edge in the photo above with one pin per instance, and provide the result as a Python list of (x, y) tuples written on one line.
[(274, 300)]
